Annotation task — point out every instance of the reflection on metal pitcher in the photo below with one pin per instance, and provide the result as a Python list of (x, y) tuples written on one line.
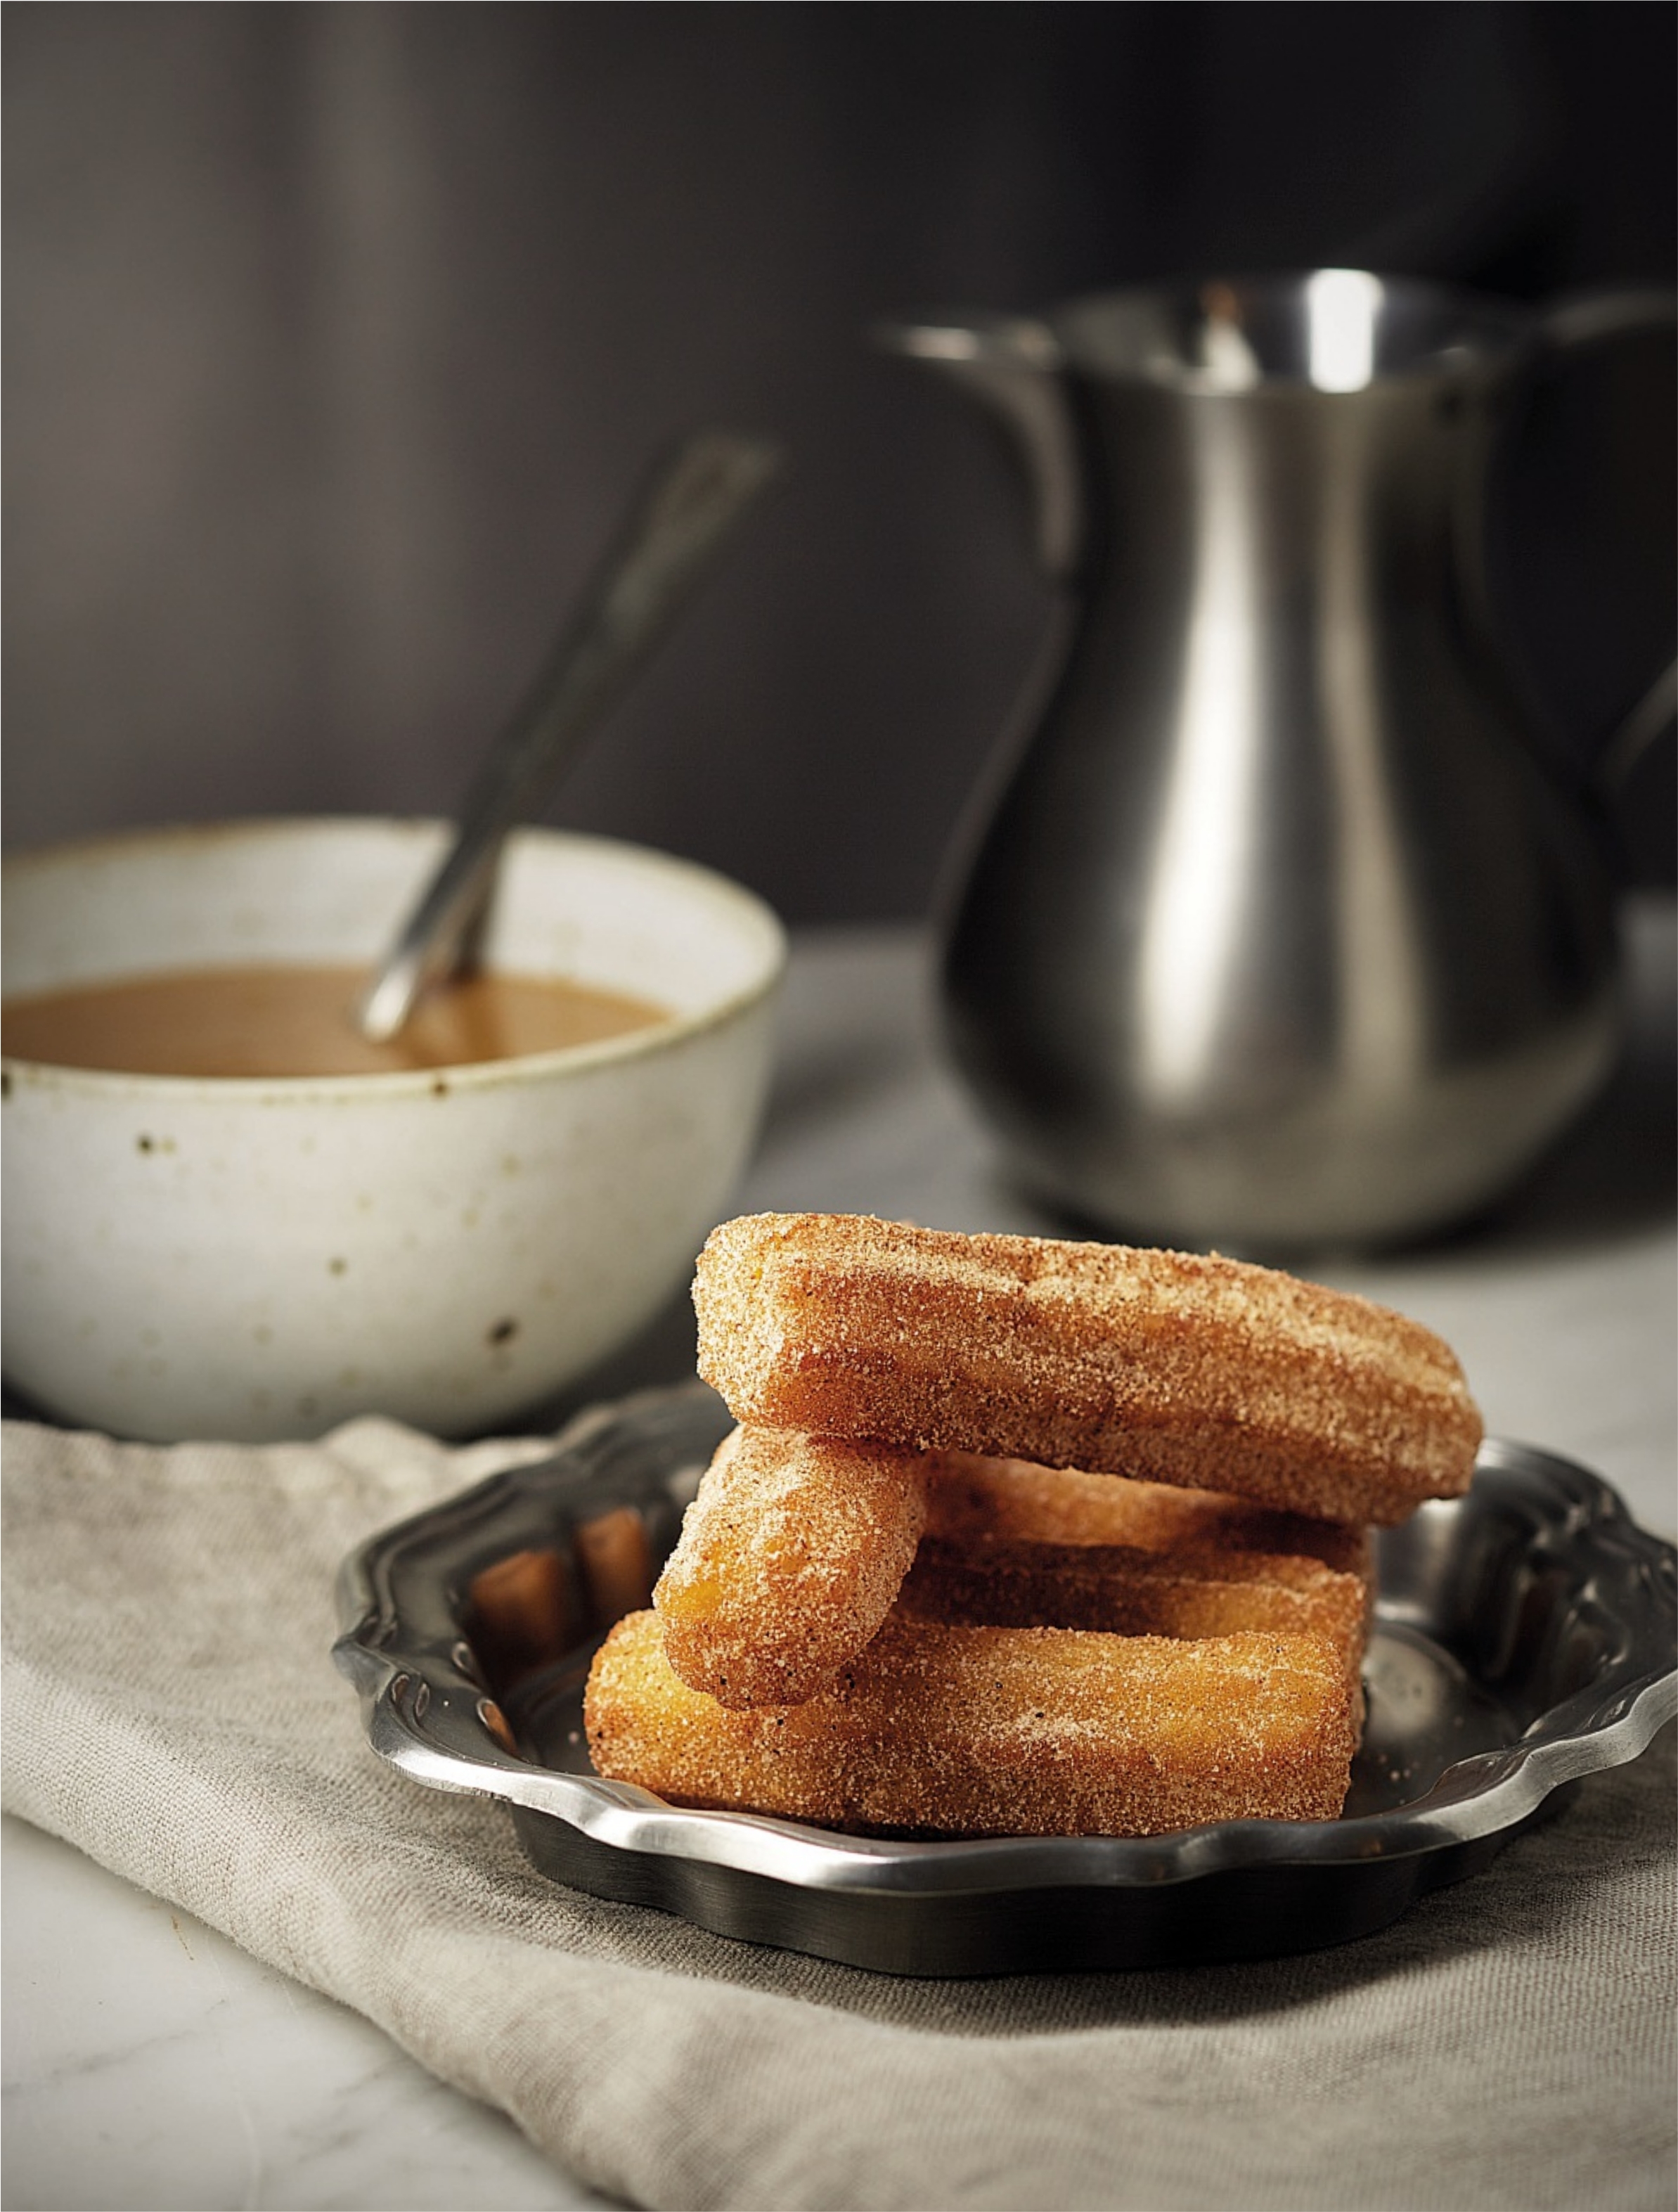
[(1272, 926)]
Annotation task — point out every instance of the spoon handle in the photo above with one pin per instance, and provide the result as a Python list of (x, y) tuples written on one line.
[(666, 545)]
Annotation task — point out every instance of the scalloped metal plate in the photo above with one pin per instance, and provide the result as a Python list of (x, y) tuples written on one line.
[(1524, 1636)]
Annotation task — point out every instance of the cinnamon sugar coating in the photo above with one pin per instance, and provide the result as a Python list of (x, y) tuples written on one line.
[(1116, 1588), (969, 1495), (788, 1559), (972, 1731), (1167, 1366), (795, 1548)]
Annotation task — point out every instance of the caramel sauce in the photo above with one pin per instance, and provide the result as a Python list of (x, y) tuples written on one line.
[(301, 1021)]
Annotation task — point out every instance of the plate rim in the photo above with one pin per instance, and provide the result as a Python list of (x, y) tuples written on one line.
[(423, 1714)]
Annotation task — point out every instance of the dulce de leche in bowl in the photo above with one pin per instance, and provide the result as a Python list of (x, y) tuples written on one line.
[(228, 1214)]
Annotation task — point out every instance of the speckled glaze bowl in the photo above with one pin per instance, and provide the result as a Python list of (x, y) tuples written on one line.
[(254, 1259)]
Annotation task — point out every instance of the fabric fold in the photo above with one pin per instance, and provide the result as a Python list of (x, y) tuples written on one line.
[(171, 1708)]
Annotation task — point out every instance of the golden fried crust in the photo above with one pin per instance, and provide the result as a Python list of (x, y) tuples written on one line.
[(788, 1559), (1007, 1584), (1163, 1365), (969, 1496), (937, 1730)]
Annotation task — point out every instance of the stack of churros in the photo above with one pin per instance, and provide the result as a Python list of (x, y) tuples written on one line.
[(1019, 1536)]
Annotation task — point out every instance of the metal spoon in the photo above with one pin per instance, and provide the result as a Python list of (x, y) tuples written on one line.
[(691, 501)]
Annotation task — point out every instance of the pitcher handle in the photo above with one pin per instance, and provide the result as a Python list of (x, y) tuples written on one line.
[(1014, 367), (1585, 318), (1580, 319)]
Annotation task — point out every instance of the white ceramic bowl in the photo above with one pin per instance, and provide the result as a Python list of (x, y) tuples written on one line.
[(254, 1259)]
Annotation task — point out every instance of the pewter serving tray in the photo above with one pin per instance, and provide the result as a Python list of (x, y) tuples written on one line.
[(1524, 1636)]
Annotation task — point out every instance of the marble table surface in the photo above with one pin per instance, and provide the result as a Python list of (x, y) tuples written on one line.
[(149, 2062)]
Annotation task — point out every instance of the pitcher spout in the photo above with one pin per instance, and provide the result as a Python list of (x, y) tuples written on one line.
[(1014, 367)]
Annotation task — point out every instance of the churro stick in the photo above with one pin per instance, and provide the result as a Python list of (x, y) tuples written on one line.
[(1206, 1372), (788, 1559), (969, 1496), (1123, 1591), (936, 1730), (793, 1550)]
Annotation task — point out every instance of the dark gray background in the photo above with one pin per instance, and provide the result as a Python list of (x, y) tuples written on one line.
[(335, 334)]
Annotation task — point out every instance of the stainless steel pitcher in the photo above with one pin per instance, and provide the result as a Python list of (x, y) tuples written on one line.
[(1271, 927)]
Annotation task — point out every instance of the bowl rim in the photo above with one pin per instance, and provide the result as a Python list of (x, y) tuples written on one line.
[(466, 1076)]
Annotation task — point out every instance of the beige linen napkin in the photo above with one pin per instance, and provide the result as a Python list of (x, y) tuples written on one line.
[(172, 1709)]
